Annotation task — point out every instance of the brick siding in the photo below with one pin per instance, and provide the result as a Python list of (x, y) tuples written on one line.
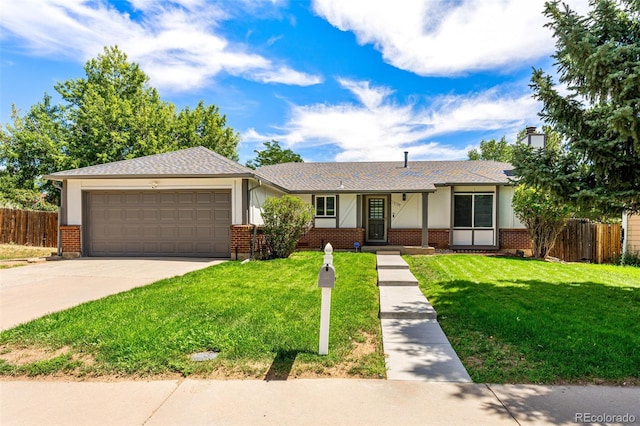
[(343, 239), (404, 237), (70, 236), (514, 239), (439, 238), (340, 238)]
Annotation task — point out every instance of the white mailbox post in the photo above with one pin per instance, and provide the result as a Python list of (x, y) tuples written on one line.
[(326, 281)]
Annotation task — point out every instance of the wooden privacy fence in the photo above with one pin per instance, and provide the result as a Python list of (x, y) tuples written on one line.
[(27, 227), (582, 241)]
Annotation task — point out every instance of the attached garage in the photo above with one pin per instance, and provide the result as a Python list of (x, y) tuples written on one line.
[(190, 223)]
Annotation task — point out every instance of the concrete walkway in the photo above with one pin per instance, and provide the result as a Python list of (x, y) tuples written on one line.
[(414, 344), (310, 402), (31, 291)]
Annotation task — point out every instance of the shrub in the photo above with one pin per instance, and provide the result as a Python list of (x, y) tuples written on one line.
[(286, 219), (542, 214), (629, 259)]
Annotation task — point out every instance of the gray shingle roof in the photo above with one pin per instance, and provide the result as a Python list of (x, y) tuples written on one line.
[(383, 176), (190, 162)]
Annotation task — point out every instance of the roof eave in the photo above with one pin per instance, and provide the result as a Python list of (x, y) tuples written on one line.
[(57, 177), (358, 191)]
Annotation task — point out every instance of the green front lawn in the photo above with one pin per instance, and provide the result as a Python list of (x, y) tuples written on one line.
[(526, 321), (262, 317)]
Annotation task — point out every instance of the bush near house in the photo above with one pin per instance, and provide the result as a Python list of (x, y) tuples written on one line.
[(286, 220)]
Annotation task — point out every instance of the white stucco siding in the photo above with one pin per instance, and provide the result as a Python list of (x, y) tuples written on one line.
[(633, 233), (440, 208), (348, 210), (75, 187), (407, 213), (258, 196), (74, 202), (324, 222), (307, 198), (507, 218)]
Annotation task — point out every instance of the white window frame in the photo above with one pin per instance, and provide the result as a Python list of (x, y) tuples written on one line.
[(324, 197)]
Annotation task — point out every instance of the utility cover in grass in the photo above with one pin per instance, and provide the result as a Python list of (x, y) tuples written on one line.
[(204, 356)]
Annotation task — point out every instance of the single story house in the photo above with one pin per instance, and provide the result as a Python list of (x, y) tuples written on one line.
[(194, 202)]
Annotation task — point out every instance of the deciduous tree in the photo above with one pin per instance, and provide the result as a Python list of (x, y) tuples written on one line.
[(273, 154), (492, 150), (543, 216), (110, 114)]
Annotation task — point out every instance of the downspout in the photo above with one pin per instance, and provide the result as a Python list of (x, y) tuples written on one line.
[(250, 218), (59, 188)]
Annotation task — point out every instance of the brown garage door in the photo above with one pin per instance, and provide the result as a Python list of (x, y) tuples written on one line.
[(158, 223)]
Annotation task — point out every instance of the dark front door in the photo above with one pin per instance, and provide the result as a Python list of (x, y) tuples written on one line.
[(376, 219)]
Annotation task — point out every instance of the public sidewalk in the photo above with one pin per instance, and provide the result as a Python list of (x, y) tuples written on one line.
[(310, 402)]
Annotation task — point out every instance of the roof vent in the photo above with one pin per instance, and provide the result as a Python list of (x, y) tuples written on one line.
[(406, 159)]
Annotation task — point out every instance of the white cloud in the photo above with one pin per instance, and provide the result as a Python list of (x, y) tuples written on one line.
[(377, 128), (174, 42), (284, 75), (441, 37)]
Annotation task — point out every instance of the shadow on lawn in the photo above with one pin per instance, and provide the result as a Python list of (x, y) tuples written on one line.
[(282, 364)]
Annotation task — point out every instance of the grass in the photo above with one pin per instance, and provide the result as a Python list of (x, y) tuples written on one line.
[(526, 321), (262, 317), (18, 253)]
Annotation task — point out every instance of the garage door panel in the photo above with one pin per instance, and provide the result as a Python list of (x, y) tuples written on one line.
[(220, 232), (150, 214), (186, 214), (168, 198), (168, 214), (222, 197), (132, 214), (132, 199), (162, 223), (222, 215), (205, 215), (204, 198)]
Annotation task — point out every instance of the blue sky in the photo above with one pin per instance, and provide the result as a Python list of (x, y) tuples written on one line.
[(334, 80)]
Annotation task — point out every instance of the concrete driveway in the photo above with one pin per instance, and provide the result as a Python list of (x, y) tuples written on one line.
[(29, 292)]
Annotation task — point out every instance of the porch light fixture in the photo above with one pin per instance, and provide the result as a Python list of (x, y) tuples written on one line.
[(154, 184), (533, 139)]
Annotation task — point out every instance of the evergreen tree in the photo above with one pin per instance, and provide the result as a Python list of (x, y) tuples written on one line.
[(598, 61)]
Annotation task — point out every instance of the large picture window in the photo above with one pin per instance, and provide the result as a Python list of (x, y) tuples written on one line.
[(326, 206), (473, 211)]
